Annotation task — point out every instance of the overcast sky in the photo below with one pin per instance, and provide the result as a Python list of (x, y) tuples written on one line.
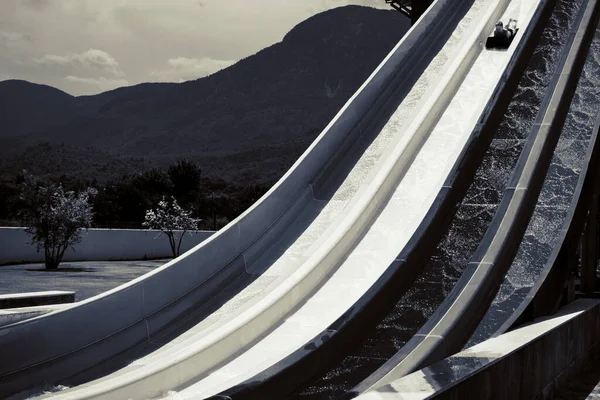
[(89, 46)]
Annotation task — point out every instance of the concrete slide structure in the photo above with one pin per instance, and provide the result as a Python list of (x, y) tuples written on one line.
[(569, 340), (362, 195), (267, 244), (303, 254), (456, 319)]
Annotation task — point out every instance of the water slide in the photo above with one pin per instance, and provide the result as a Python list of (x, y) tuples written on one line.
[(455, 318), (232, 288), (541, 257), (402, 184), (304, 254), (450, 327), (534, 284)]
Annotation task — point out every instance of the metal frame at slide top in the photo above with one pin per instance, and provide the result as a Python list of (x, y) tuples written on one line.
[(43, 350), (330, 344), (455, 320), (413, 9)]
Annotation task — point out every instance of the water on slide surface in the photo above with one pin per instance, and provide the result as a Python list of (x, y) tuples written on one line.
[(467, 228), (554, 201), (311, 224)]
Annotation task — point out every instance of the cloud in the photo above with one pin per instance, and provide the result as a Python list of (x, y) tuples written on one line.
[(102, 83), (39, 4), (181, 69), (93, 59), (13, 37), (140, 40)]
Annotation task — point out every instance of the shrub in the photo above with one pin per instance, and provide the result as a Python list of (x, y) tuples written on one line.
[(169, 217), (54, 217)]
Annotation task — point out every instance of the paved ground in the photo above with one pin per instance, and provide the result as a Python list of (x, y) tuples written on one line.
[(96, 277)]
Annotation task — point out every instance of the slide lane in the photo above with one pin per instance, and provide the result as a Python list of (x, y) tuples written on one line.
[(450, 327), (558, 218), (191, 348), (327, 347), (158, 372), (568, 339), (190, 358), (409, 201), (196, 284)]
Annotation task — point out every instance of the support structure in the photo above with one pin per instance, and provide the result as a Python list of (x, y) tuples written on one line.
[(403, 6), (589, 248), (413, 9), (418, 7)]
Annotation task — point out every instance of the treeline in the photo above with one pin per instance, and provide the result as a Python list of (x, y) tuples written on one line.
[(123, 203)]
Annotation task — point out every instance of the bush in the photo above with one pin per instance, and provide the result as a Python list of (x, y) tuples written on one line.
[(170, 217), (54, 218)]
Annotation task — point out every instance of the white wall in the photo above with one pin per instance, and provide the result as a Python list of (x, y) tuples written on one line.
[(98, 245)]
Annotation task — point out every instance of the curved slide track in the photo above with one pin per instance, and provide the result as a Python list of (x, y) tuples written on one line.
[(325, 347), (533, 286), (451, 325), (323, 236), (243, 281), (568, 193), (310, 249)]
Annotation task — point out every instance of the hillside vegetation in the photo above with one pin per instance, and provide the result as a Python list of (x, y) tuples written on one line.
[(248, 122)]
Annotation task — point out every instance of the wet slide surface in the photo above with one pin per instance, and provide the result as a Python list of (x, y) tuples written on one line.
[(375, 250), (543, 231), (271, 270), (265, 264), (307, 228), (467, 228)]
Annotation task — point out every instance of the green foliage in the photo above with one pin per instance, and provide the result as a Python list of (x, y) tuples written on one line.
[(185, 178), (54, 217), (169, 218), (122, 203), (9, 195)]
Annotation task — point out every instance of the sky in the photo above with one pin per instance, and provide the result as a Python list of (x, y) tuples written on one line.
[(90, 46)]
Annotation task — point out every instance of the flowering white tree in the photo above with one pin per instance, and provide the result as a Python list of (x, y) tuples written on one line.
[(169, 217), (54, 218)]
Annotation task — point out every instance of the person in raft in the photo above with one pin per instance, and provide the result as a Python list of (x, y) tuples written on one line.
[(503, 36), (508, 32)]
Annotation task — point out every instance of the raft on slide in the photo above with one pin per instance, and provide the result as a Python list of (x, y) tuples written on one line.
[(502, 37)]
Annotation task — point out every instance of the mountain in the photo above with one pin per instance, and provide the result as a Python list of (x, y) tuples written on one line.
[(249, 121)]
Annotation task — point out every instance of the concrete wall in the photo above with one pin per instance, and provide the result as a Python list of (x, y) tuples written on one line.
[(533, 362), (98, 245)]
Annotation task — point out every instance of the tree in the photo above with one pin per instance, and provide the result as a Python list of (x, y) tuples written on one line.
[(121, 204), (185, 177), (216, 202), (54, 217), (152, 184), (169, 217)]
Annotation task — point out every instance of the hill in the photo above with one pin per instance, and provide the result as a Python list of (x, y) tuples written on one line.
[(249, 121)]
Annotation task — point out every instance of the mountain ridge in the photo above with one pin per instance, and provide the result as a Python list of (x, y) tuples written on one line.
[(250, 120)]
